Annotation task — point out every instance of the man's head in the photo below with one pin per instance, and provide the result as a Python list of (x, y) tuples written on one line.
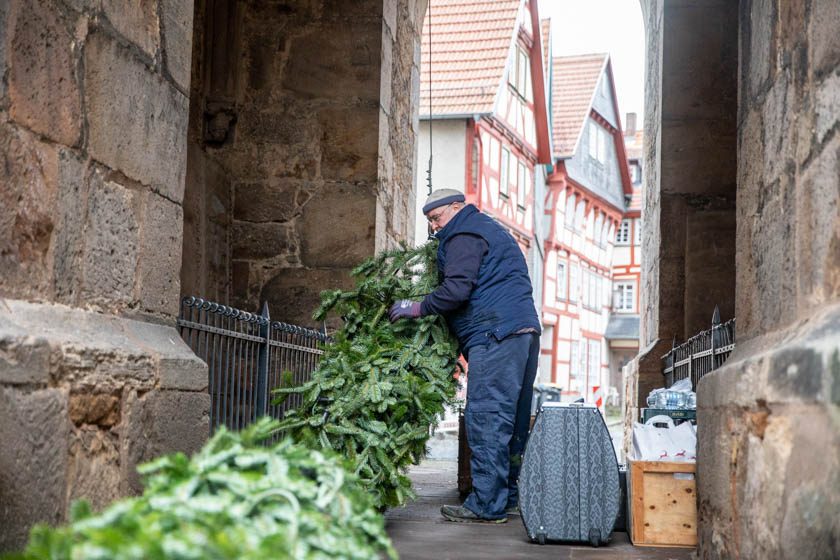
[(441, 206)]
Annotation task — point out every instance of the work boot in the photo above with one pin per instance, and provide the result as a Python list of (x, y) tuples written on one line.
[(460, 514)]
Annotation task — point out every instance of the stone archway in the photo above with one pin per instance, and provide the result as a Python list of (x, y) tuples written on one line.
[(302, 146)]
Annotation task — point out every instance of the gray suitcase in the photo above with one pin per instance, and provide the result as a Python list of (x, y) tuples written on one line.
[(568, 486)]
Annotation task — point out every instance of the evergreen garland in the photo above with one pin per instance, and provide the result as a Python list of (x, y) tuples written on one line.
[(379, 386)]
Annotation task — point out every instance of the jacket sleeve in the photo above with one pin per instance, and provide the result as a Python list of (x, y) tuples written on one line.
[(464, 253)]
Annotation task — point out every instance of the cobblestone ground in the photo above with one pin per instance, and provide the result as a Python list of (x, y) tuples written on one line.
[(419, 532)]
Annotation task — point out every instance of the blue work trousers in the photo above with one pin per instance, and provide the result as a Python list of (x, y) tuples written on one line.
[(500, 386)]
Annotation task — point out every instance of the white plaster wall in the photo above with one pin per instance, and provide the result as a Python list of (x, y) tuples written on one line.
[(448, 164)]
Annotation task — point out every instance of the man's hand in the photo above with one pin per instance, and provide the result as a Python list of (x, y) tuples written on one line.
[(404, 309)]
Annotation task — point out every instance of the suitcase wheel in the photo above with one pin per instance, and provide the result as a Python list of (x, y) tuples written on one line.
[(541, 538), (595, 537)]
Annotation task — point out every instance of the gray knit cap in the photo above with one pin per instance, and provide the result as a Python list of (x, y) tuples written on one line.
[(442, 197)]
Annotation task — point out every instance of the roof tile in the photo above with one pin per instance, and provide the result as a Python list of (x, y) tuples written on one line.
[(574, 80)]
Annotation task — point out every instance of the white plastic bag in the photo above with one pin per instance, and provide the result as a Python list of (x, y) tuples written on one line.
[(674, 443)]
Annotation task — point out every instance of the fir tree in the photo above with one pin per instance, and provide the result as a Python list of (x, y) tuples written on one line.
[(379, 386)]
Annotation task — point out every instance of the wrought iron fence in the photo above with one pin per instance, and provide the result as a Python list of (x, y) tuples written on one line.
[(247, 355), (700, 354)]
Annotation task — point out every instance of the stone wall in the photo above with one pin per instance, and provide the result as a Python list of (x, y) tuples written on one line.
[(769, 420), (302, 146), (93, 120)]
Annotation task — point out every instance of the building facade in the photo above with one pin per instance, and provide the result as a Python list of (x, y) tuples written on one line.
[(585, 205)]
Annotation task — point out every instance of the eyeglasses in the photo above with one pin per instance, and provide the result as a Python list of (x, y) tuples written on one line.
[(434, 218)]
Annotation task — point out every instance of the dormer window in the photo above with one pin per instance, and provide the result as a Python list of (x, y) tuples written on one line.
[(519, 76)]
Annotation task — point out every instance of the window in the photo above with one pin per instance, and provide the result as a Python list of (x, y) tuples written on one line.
[(579, 215), (597, 236), (598, 141), (574, 360), (592, 290), (594, 362), (512, 172), (574, 282), (519, 75), (635, 173), (503, 176), (622, 236), (624, 296), (570, 211), (638, 234), (521, 187), (562, 280)]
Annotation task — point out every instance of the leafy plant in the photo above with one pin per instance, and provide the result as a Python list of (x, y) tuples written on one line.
[(236, 498), (380, 386)]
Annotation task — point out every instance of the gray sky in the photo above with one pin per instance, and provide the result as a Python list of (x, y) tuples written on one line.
[(613, 26)]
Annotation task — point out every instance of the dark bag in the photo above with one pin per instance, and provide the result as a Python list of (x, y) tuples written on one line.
[(569, 487)]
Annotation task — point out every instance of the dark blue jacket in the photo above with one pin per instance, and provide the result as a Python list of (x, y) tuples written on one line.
[(501, 302)]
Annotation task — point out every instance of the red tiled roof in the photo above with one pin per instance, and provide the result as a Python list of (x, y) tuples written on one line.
[(470, 41), (574, 80), (545, 31)]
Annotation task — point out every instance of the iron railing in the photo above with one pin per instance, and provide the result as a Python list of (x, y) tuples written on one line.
[(700, 354), (247, 355)]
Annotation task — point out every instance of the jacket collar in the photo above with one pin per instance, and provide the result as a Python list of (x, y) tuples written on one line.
[(456, 221)]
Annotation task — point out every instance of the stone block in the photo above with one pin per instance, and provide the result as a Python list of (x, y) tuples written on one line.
[(828, 105), (27, 223), (293, 294), (709, 267), (68, 239), (822, 37), (160, 422), (177, 366), (778, 123), (699, 157), (24, 360), (98, 409), (160, 256), (111, 245), (137, 121), (350, 143), (137, 21), (761, 55), (817, 227), (177, 38), (93, 469), (275, 200), (263, 240), (43, 91), (33, 465), (4, 19), (337, 62), (337, 226)]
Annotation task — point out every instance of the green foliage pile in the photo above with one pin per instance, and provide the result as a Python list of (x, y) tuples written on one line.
[(236, 498), (380, 386)]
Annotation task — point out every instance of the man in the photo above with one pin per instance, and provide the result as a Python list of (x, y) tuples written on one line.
[(486, 296)]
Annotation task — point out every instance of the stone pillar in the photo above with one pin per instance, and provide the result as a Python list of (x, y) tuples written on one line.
[(769, 420), (690, 144), (93, 376), (302, 146)]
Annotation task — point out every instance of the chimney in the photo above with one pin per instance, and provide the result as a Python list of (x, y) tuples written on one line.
[(630, 124)]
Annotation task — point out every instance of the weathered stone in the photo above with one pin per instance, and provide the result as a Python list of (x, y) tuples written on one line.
[(336, 226), (111, 245), (761, 52), (101, 409), (277, 200), (263, 240), (160, 256), (336, 62), (822, 37), (177, 365), (350, 143), (4, 18), (33, 465), (160, 422), (293, 294), (28, 171), (778, 129), (68, 239), (136, 20), (137, 121), (43, 90), (93, 469), (24, 360), (177, 39), (828, 106)]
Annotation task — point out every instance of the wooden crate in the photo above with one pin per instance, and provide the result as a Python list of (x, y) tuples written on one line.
[(663, 503)]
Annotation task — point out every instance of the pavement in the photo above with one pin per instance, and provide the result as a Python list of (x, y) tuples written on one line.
[(419, 532)]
